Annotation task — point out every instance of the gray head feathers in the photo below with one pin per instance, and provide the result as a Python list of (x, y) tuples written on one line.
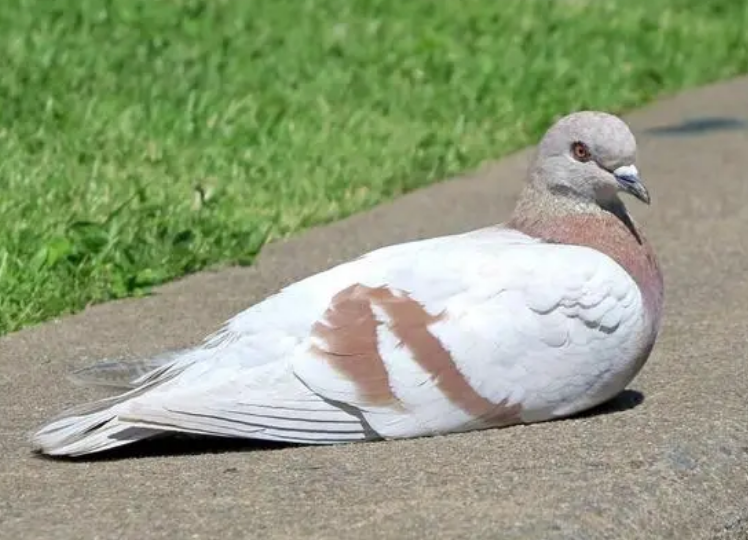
[(589, 157)]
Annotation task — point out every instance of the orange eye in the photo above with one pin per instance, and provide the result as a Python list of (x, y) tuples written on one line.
[(580, 151)]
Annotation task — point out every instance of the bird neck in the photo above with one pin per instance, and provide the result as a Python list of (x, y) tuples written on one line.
[(537, 203), (563, 219)]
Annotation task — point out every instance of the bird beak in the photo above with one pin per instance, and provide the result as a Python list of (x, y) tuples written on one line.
[(628, 179)]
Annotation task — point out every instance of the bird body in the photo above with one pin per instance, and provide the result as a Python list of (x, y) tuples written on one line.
[(544, 316)]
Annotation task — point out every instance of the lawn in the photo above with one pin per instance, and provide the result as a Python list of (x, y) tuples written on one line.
[(145, 139)]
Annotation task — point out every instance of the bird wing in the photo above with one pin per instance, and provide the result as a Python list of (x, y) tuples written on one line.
[(480, 329), (447, 334), (457, 337)]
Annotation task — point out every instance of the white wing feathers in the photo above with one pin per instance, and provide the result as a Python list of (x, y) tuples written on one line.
[(448, 334), (272, 406)]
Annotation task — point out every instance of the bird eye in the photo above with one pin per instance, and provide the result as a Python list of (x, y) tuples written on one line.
[(580, 152)]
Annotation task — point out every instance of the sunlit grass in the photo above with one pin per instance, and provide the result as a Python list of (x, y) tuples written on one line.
[(145, 139)]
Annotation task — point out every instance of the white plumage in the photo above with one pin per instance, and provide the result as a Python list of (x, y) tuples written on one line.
[(519, 329), (449, 334)]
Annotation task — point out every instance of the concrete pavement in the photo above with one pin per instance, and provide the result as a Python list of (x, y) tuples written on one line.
[(668, 459)]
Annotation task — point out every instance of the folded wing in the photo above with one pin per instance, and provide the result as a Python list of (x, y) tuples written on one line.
[(441, 335)]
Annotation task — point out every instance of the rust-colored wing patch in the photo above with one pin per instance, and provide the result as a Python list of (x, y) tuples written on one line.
[(349, 334), (410, 322)]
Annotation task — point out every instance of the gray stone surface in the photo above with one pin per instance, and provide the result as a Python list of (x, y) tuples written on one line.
[(669, 459)]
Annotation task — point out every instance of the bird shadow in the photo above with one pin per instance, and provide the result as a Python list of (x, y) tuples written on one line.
[(173, 446), (699, 126), (190, 445), (626, 400)]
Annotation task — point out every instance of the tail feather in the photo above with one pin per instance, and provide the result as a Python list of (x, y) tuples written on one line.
[(91, 427), (96, 433), (122, 374), (94, 427)]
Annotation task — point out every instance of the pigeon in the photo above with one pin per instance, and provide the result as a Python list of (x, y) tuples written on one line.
[(543, 316)]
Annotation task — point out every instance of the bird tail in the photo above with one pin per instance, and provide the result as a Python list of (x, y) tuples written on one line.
[(122, 374), (90, 428), (95, 427)]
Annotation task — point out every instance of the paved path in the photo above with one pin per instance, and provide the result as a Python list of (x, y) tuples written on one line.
[(668, 460)]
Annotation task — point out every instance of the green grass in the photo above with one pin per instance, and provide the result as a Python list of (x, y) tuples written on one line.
[(145, 139)]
